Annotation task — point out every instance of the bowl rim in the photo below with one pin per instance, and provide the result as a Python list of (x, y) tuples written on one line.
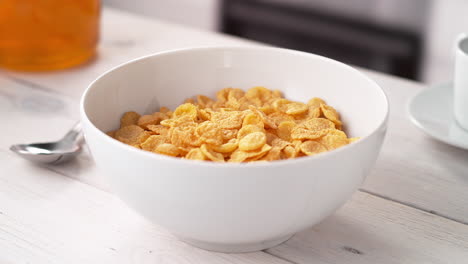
[(103, 136)]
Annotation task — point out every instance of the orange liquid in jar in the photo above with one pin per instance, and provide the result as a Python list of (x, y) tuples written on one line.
[(39, 35)]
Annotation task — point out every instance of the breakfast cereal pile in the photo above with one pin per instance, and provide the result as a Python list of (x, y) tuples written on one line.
[(257, 125)]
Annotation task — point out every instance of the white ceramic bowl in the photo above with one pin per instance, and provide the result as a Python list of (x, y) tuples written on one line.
[(233, 207)]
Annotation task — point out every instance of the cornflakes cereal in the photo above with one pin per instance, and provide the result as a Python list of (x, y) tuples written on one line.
[(331, 114), (252, 141), (315, 102), (266, 120), (252, 126), (211, 154), (334, 139), (313, 128), (111, 134), (247, 129), (284, 130), (158, 129), (273, 154), (152, 142), (252, 119), (195, 154), (187, 109), (154, 119), (228, 147), (131, 134), (279, 117), (165, 110), (227, 119), (129, 118), (167, 149), (209, 132), (240, 155), (296, 108), (289, 152), (204, 101), (314, 112), (312, 147)]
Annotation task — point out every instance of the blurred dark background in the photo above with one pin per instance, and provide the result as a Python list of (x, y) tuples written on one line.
[(407, 38), (363, 33)]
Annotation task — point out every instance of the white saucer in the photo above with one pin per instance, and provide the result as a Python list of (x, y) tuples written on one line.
[(431, 111)]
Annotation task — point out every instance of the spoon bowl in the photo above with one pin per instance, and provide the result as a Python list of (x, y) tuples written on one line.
[(52, 152)]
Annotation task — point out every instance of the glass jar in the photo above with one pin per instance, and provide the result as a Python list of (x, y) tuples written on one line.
[(40, 35)]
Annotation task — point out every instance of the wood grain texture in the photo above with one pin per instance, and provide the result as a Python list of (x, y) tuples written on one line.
[(372, 230), (48, 218), (29, 113), (415, 169)]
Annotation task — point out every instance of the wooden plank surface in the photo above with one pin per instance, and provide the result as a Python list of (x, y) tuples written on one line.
[(415, 169), (48, 218), (372, 230)]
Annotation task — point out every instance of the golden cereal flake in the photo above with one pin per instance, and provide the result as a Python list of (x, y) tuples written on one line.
[(131, 134), (289, 152), (331, 114), (209, 132), (184, 137), (129, 118), (266, 120), (245, 130), (279, 143), (314, 112), (195, 154), (252, 141), (284, 130), (315, 102), (296, 108), (152, 142), (204, 101), (302, 133), (153, 119), (167, 149), (334, 139), (211, 154), (281, 105), (158, 129), (252, 119), (189, 110), (312, 147), (258, 93), (229, 134), (111, 134), (240, 155), (228, 119), (273, 154), (279, 117), (165, 110), (318, 124), (227, 147)]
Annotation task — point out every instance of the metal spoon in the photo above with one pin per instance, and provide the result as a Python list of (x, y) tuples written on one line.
[(53, 152)]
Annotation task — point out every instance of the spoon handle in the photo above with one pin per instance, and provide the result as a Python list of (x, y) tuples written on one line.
[(74, 135)]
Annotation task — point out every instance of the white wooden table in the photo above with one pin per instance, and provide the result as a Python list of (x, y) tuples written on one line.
[(413, 208)]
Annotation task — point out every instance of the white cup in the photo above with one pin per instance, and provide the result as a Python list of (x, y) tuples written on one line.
[(460, 104)]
